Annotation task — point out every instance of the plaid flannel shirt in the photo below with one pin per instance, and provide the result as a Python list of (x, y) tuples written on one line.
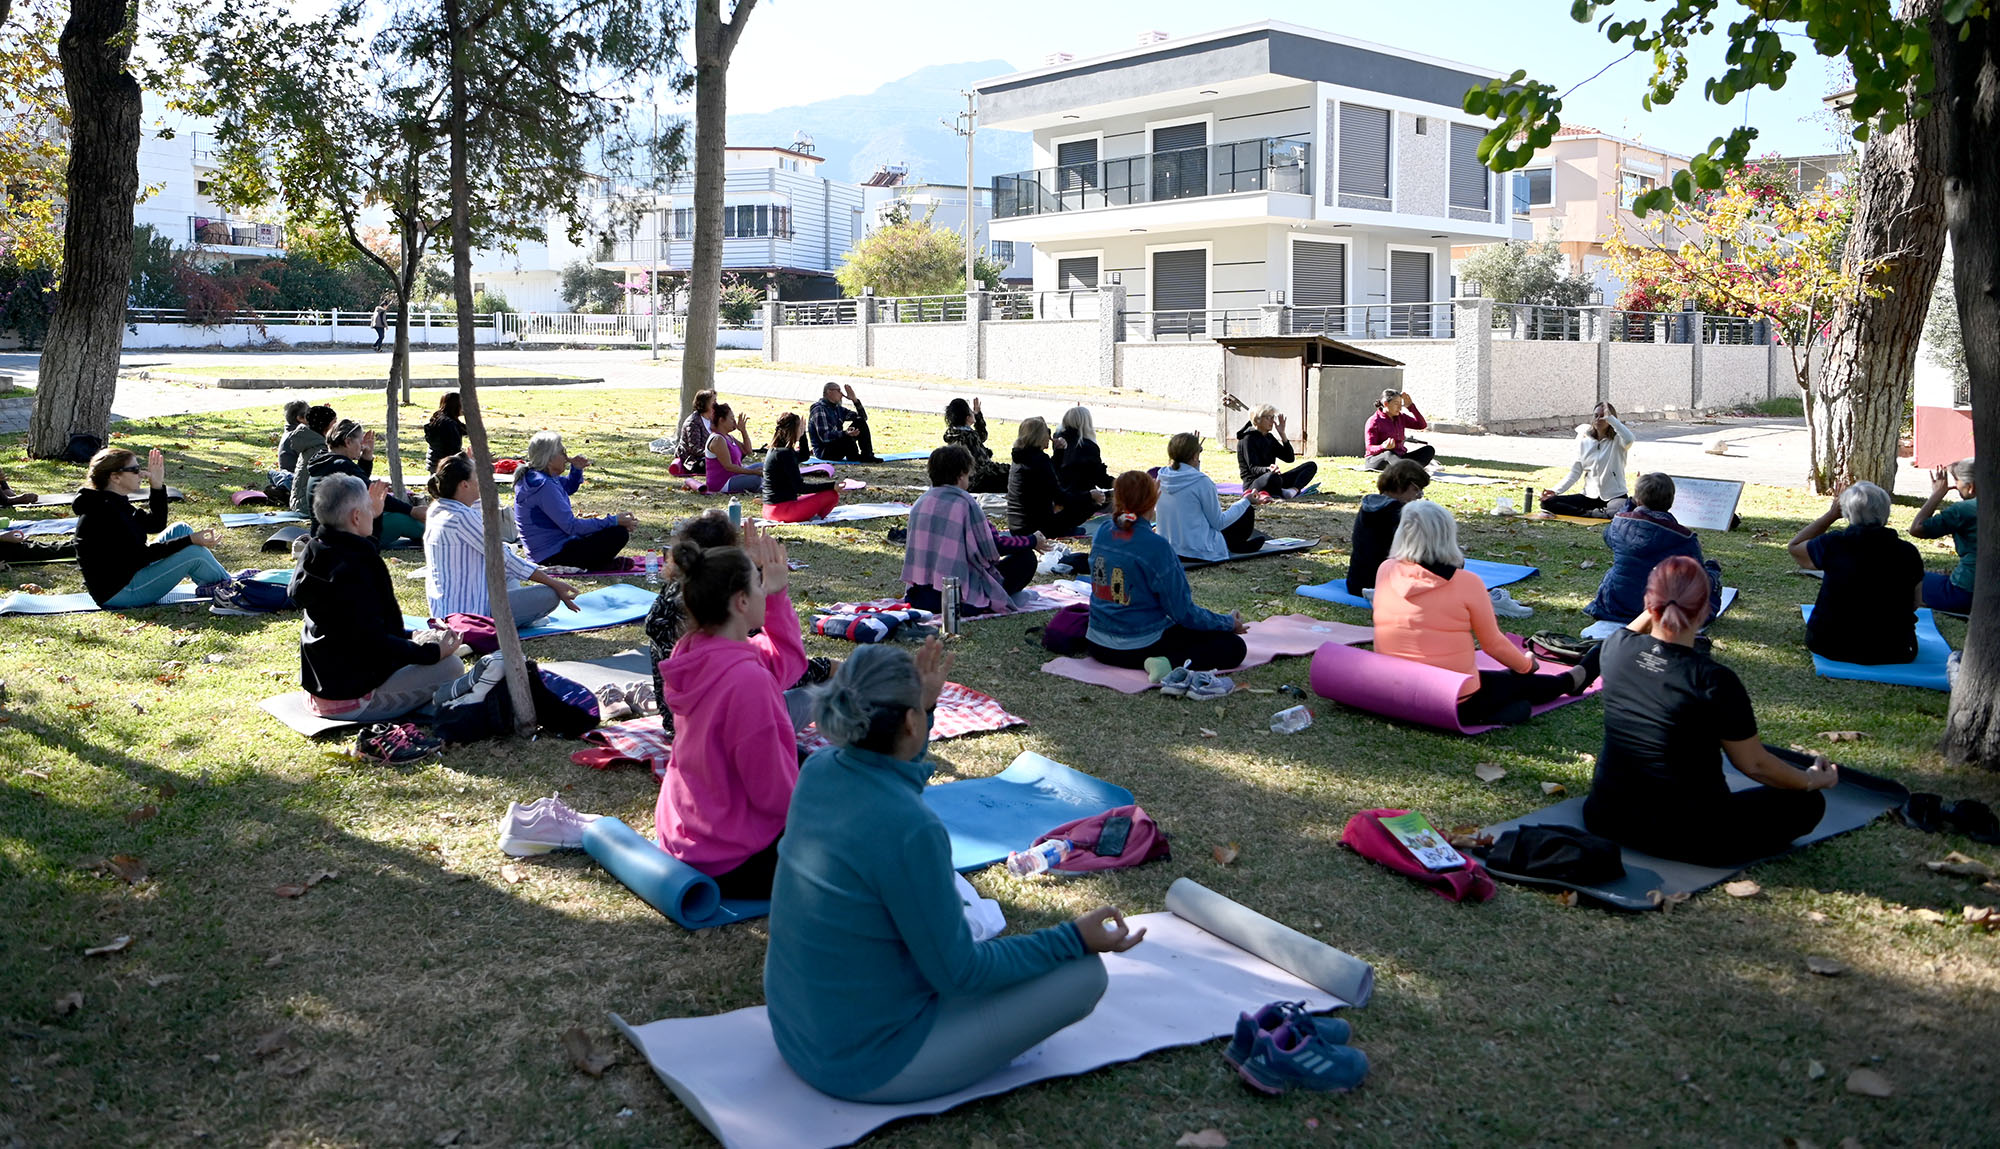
[(828, 421), (950, 537)]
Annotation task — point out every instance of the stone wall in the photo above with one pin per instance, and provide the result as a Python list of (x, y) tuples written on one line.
[(1535, 379), (1177, 372), (1652, 378), (1062, 352), (1734, 375), (932, 348)]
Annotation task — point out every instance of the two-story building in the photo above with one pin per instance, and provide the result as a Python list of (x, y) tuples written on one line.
[(1214, 174), (177, 171)]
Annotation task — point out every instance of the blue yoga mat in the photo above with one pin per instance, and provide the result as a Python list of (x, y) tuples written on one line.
[(612, 605), (892, 457), (663, 881), (1927, 670), (989, 818), (1492, 574), (80, 602), (1604, 628)]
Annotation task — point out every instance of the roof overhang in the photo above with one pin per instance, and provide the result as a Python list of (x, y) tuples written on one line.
[(1315, 349)]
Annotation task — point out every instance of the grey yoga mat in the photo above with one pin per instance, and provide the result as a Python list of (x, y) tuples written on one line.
[(1341, 974)]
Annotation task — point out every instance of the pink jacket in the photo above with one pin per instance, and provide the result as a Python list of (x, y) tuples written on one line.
[(735, 758), (1385, 432)]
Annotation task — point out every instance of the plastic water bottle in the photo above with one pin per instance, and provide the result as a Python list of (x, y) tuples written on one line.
[(1291, 720), (1037, 858), (736, 512), (653, 567)]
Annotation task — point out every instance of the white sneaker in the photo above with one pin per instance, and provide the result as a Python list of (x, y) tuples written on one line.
[(1207, 684), (612, 704), (1505, 606), (542, 825)]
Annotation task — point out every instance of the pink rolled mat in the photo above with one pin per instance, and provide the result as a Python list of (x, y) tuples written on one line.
[(1410, 691), (242, 497), (849, 484), (1282, 636)]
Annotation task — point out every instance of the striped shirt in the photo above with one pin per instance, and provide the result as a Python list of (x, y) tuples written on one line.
[(455, 551)]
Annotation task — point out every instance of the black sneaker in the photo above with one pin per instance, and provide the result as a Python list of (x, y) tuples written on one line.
[(1924, 812), (899, 535), (394, 743), (1974, 819)]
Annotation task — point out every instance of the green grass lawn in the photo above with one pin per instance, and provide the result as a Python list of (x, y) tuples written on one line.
[(421, 991), (311, 371)]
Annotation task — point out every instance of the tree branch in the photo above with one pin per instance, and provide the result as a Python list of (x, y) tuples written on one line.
[(732, 29)]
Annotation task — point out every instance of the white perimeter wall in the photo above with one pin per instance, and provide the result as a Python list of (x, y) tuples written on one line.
[(1732, 375), (1534, 379), (1061, 352), (1649, 377)]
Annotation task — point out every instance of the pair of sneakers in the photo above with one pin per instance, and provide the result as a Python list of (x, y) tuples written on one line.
[(1505, 606), (1282, 1047), (395, 743), (542, 825), (1185, 682), (226, 598)]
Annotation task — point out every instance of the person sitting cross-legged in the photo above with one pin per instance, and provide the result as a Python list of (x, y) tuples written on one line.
[(877, 991), (689, 445), (726, 471), (1261, 448), (1037, 502), (1640, 539), (1960, 521), (1190, 513), (1873, 581), (1397, 486), (1430, 609), (1141, 606), (351, 451), (455, 556), (444, 431), (1671, 714), (357, 661), (950, 537), (837, 433), (965, 426), (550, 529), (1386, 437), (1601, 447), (789, 497), (120, 569), (302, 443), (1078, 461)]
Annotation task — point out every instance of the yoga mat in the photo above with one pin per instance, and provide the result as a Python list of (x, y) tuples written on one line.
[(1180, 986), (891, 457), (80, 602), (1270, 547), (1286, 635), (262, 518), (283, 538), (46, 527), (613, 605), (1036, 598), (663, 881), (68, 498), (1459, 479), (627, 666), (989, 818), (1313, 961), (850, 513), (1579, 520), (291, 709), (1858, 800), (242, 497), (1605, 629), (1407, 690), (1492, 574), (1927, 670)]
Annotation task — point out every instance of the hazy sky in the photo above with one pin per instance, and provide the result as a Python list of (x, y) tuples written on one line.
[(796, 51)]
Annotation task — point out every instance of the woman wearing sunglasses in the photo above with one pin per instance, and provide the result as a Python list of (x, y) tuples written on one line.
[(120, 569)]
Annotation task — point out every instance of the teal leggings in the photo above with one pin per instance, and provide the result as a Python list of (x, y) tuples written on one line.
[(153, 582), (397, 525)]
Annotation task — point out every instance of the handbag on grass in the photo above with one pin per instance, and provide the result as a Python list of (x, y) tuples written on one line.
[(1367, 835)]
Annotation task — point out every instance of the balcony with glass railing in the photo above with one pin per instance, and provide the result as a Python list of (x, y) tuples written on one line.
[(1267, 165)]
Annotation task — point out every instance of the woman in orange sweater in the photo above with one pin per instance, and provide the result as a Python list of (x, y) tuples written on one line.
[(1430, 609)]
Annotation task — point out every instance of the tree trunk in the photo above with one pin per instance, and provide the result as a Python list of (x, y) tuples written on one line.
[(468, 386), (79, 369), (714, 42), (1965, 70), (1855, 402)]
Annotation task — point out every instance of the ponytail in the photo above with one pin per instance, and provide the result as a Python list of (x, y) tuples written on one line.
[(452, 472), (1133, 495), (1677, 594), (710, 579)]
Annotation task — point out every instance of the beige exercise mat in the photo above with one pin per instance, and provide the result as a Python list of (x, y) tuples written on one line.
[(1181, 986)]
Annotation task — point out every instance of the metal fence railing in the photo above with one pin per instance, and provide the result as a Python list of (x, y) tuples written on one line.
[(1043, 305), (1270, 164), (1540, 321), (1372, 321), (818, 313), (330, 318), (921, 309), (1642, 326), (1731, 329), (1188, 326)]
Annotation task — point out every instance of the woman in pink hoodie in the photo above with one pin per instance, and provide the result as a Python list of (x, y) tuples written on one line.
[(735, 759)]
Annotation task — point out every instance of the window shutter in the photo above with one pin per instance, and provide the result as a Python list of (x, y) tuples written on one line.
[(1078, 274), (1180, 137), (1470, 181), (763, 219), (1078, 161), (1364, 151), (1410, 282), (1180, 280), (1319, 274)]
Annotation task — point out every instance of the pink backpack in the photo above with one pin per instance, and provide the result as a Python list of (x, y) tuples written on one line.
[(1144, 840), (476, 629), (1366, 836)]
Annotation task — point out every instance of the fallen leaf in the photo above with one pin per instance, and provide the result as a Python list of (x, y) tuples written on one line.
[(1982, 916), (1568, 898), (1206, 732), (1815, 916), (1869, 1083), (584, 1054), (167, 789), (144, 813), (515, 875), (274, 961), (1841, 735), (1206, 1139), (1960, 866), (276, 1041), (127, 867), (69, 1003), (290, 890), (1929, 916), (1618, 999), (1489, 772), (1553, 788), (1227, 854), (1585, 565), (110, 947), (1824, 966), (448, 1137), (42, 775), (1742, 889), (322, 876), (1667, 902), (1815, 1070)]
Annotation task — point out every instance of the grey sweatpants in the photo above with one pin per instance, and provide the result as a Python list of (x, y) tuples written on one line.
[(408, 689)]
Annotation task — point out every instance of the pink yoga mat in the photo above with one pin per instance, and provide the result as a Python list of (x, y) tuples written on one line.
[(1410, 691), (1285, 635), (242, 497)]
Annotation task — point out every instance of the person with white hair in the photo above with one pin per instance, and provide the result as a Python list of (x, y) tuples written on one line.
[(1430, 609), (1079, 462), (1873, 581), (1262, 445), (551, 531), (877, 991), (1960, 520)]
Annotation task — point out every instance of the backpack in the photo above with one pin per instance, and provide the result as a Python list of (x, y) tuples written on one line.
[(82, 447), (476, 630), (1367, 836), (1144, 840), (466, 719), (255, 594), (1065, 632), (1554, 646)]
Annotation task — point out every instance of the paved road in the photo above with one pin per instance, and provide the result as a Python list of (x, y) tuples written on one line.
[(1762, 450)]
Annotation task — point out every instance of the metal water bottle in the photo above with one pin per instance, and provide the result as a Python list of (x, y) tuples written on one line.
[(735, 512), (951, 591), (1528, 506)]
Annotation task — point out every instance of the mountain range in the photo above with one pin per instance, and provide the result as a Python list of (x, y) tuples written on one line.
[(902, 122)]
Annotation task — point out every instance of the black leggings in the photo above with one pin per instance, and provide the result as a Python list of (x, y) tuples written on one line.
[(1577, 506), (1747, 825), (1200, 649), (1017, 569), (592, 552), (1241, 536), (1420, 455), (1508, 699), (1061, 524), (846, 446), (1278, 482), (752, 878)]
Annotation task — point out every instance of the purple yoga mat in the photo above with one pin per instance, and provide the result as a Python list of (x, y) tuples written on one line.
[(1403, 689), (242, 497), (1282, 636)]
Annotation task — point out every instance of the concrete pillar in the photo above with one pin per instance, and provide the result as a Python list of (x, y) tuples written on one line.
[(864, 318), (1271, 319), (1110, 325), (333, 331), (771, 329), (1472, 360), (1597, 329), (1695, 349), (977, 305)]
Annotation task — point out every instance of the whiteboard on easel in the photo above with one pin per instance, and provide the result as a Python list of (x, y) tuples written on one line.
[(1706, 504)]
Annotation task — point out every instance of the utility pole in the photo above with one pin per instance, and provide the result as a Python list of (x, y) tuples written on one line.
[(967, 125)]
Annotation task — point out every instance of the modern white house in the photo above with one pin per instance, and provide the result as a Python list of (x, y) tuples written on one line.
[(1265, 163), (177, 172)]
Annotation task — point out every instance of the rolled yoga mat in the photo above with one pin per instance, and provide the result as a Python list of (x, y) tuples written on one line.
[(1930, 669), (663, 881), (891, 457), (1309, 959), (1492, 574), (1410, 691)]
